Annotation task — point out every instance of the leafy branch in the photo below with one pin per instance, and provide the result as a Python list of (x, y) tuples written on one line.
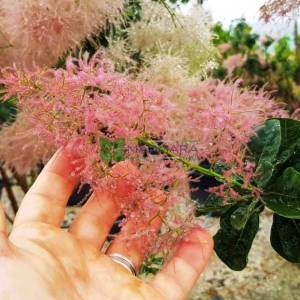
[(193, 166)]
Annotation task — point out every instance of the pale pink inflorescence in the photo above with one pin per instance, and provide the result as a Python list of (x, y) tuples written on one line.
[(233, 62), (81, 104), (40, 31), (77, 106), (21, 148), (220, 120), (281, 8), (224, 47)]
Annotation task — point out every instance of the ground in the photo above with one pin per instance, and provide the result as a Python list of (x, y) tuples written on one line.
[(267, 276)]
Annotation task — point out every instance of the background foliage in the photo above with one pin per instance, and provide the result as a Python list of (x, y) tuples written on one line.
[(260, 61)]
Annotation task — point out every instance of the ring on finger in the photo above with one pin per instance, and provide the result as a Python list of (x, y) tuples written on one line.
[(124, 261)]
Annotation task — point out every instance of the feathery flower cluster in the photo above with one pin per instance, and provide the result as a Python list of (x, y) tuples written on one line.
[(85, 102), (88, 103), (157, 34), (233, 62), (39, 32), (279, 8), (219, 121), (21, 147)]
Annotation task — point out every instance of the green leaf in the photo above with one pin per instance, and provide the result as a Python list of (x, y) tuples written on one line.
[(8, 110), (112, 151), (285, 238), (152, 265), (241, 215), (106, 150), (118, 154), (265, 146), (290, 139), (283, 196), (212, 204), (233, 245), (275, 147)]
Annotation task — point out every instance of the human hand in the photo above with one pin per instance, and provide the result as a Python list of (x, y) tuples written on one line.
[(39, 260)]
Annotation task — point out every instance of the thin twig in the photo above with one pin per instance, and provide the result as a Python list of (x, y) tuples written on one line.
[(193, 166), (9, 191), (9, 219), (174, 18), (21, 181)]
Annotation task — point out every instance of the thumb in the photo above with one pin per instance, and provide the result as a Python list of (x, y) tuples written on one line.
[(179, 275)]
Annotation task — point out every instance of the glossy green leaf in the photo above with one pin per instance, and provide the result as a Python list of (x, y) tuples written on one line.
[(212, 204), (285, 238), (265, 146), (233, 245), (283, 196), (241, 215), (275, 147), (290, 139)]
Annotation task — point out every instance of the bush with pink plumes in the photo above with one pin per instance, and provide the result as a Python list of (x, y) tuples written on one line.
[(133, 135), (88, 105)]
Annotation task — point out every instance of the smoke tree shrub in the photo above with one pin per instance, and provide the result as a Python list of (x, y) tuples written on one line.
[(164, 70), (149, 128)]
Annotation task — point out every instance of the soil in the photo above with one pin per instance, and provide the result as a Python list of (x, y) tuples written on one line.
[(267, 276)]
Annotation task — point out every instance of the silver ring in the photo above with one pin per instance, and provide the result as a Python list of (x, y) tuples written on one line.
[(124, 262)]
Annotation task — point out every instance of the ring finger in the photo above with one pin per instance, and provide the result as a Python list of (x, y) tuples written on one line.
[(133, 240)]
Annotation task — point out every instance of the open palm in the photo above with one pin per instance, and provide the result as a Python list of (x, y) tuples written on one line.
[(39, 260)]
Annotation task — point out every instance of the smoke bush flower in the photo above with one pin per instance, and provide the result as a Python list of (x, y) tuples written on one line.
[(190, 39), (83, 103), (87, 102), (224, 47), (233, 62), (21, 147), (219, 121), (40, 31), (273, 8), (78, 106)]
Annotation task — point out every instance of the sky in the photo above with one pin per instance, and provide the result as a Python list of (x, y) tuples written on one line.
[(228, 10)]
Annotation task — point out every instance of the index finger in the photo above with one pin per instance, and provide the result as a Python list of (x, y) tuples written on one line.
[(47, 198)]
